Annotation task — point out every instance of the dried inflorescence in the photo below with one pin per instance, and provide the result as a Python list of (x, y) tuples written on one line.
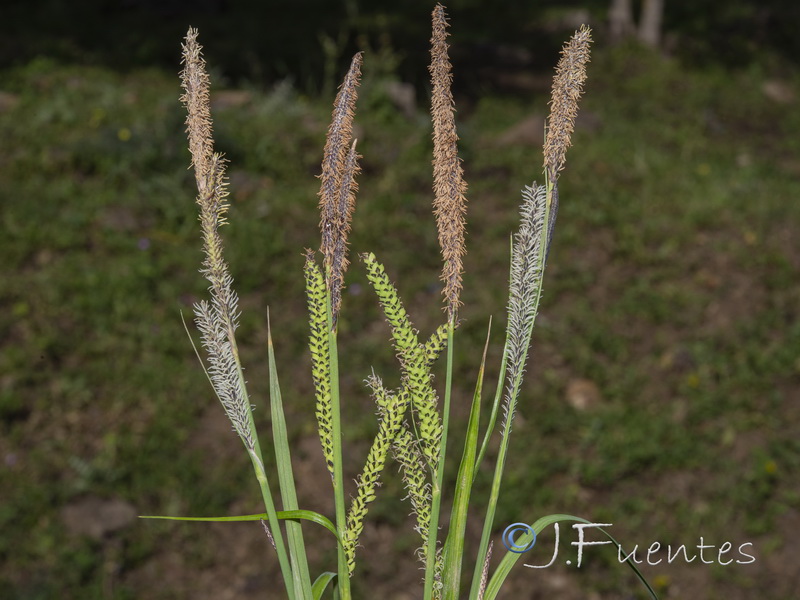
[(410, 424), (448, 181), (195, 83), (567, 90), (338, 186), (485, 572), (217, 320)]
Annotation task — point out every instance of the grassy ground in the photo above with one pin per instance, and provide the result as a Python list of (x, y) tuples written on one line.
[(664, 385)]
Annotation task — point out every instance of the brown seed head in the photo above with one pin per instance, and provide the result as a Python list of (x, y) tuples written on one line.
[(218, 319), (567, 89), (209, 169), (448, 183), (195, 83), (345, 204), (337, 186)]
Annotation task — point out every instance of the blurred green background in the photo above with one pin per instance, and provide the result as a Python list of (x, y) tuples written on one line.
[(664, 385)]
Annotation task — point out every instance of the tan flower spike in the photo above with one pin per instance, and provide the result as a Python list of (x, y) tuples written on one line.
[(450, 204), (338, 187)]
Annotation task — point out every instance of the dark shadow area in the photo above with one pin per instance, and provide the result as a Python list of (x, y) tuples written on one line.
[(308, 41)]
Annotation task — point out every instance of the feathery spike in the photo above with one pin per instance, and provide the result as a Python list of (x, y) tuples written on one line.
[(337, 185), (346, 200), (485, 572), (567, 90), (448, 182), (527, 265), (195, 83), (217, 320)]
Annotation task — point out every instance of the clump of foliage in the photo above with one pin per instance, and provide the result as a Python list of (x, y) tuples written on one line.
[(413, 424)]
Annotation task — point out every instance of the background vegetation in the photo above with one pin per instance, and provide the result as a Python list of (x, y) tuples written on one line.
[(665, 371)]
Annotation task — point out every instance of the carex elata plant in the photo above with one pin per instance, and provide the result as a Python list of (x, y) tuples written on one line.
[(413, 422)]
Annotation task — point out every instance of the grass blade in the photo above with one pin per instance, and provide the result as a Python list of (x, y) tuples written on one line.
[(525, 291), (454, 547), (321, 584), (294, 531), (305, 515)]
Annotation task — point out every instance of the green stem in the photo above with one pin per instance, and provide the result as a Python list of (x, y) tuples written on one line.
[(257, 459), (343, 583), (272, 517), (453, 553), (438, 480), (283, 459), (488, 522)]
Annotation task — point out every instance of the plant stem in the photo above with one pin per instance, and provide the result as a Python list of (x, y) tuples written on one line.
[(274, 525), (257, 459), (294, 531), (512, 401), (438, 479), (343, 583)]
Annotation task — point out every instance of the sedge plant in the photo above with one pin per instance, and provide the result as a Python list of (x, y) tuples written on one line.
[(413, 424)]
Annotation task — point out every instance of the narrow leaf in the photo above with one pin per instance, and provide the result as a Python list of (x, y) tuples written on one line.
[(306, 515), (294, 531), (321, 584), (454, 547)]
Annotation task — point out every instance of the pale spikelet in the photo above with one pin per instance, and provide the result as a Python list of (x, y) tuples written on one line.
[(380, 394), (485, 572), (527, 264), (213, 206), (218, 320), (567, 89), (438, 584), (223, 369), (337, 185), (448, 183), (392, 409), (195, 83), (269, 534)]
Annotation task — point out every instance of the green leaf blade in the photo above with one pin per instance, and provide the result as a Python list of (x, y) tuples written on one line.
[(454, 547), (321, 584), (294, 531)]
